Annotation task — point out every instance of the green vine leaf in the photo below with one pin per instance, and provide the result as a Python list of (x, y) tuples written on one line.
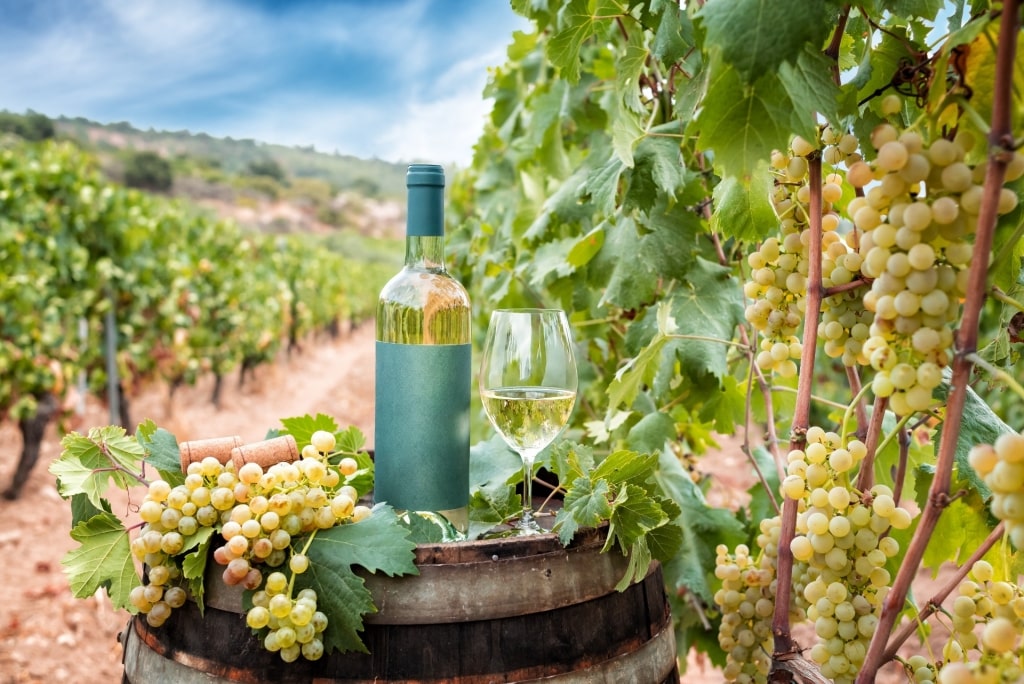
[(103, 559), (303, 427), (88, 464), (737, 27), (161, 451), (576, 25), (742, 207), (378, 544)]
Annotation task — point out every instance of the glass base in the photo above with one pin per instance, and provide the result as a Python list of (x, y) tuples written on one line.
[(527, 525)]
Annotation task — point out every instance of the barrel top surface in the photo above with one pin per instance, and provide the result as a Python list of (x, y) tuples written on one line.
[(479, 550)]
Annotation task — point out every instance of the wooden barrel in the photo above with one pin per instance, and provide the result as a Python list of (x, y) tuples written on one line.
[(505, 610)]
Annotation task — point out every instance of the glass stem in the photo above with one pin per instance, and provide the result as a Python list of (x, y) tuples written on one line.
[(528, 457)]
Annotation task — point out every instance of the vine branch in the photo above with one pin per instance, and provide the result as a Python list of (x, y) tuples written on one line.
[(1000, 140), (784, 643)]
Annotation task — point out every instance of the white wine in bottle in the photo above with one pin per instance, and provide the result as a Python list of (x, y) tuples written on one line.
[(423, 369)]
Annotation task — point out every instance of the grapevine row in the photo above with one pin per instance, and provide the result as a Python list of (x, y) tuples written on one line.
[(186, 294)]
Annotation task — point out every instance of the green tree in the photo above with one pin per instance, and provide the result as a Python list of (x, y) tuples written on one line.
[(148, 171)]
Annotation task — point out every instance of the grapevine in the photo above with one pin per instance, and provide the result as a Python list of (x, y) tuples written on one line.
[(713, 212)]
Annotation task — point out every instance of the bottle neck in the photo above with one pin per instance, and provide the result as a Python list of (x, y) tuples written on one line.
[(425, 252)]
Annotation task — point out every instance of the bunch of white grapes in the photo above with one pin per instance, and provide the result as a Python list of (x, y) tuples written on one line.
[(294, 626), (747, 602), (916, 220), (258, 514), (778, 269), (1002, 467), (845, 322), (841, 537), (996, 606)]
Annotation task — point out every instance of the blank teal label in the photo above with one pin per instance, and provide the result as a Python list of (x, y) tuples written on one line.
[(421, 426)]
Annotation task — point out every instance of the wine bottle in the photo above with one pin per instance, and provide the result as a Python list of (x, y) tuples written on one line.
[(423, 368)]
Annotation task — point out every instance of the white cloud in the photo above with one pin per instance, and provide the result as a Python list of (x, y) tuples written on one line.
[(369, 79)]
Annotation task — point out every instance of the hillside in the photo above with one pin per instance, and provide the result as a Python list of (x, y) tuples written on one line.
[(265, 187), (372, 177)]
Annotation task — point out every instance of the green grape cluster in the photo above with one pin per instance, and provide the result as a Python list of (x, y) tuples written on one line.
[(273, 507), (258, 514), (293, 626), (916, 220), (778, 269), (1002, 467), (841, 537), (996, 605), (747, 602), (845, 322)]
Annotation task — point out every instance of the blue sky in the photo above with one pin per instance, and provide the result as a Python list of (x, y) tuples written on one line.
[(393, 79)]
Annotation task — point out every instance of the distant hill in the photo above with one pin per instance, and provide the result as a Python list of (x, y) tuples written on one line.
[(366, 177)]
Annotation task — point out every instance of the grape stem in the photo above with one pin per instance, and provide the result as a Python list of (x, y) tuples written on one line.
[(116, 467), (814, 397), (935, 602), (903, 438), (784, 643), (305, 548), (998, 372), (888, 439), (853, 376), (1000, 139), (866, 476), (855, 405), (997, 293)]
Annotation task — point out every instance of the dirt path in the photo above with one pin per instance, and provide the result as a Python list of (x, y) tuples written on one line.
[(46, 635)]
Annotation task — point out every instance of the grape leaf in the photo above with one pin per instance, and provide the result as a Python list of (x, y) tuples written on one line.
[(82, 509), (651, 433), (350, 440), (102, 559), (639, 562), (809, 82), (657, 173), (703, 528), (549, 260), (742, 123), (575, 25), (586, 505), (738, 29), (586, 247), (193, 567), (161, 451), (493, 470), (742, 206), (377, 543), (627, 131), (628, 67), (569, 460), (303, 427), (634, 514), (690, 322), (961, 529), (86, 463), (602, 184), (626, 467), (674, 36), (979, 425)]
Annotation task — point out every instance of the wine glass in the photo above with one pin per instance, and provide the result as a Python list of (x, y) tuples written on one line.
[(528, 386)]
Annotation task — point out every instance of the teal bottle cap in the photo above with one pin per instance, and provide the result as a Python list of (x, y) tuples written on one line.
[(425, 183), (425, 174)]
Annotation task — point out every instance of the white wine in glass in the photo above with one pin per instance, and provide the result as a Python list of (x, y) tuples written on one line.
[(528, 385)]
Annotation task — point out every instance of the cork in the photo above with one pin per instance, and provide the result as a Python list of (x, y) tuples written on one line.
[(198, 449), (281, 449)]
